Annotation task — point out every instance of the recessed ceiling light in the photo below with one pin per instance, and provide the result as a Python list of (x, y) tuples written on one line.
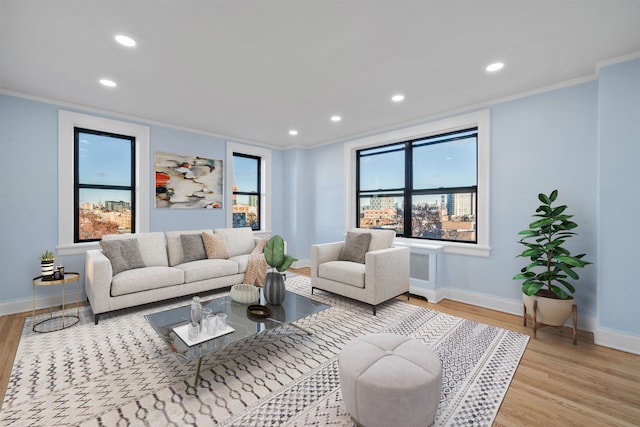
[(495, 66), (397, 98), (125, 40), (108, 83), (293, 132), (336, 118)]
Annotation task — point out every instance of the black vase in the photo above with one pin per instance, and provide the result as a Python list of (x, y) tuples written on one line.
[(274, 288)]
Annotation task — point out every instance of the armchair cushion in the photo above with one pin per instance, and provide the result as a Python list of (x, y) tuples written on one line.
[(380, 239), (350, 273), (355, 247)]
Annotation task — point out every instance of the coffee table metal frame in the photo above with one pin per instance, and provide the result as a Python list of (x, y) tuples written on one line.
[(38, 281), (294, 307)]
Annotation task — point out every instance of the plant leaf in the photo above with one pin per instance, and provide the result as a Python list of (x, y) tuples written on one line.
[(531, 288)]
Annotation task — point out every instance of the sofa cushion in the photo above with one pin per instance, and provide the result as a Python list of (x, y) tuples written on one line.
[(380, 239), (207, 269), (152, 246), (260, 244), (144, 279), (174, 245), (215, 245), (243, 262), (351, 273), (192, 247), (240, 241), (124, 254), (355, 247)]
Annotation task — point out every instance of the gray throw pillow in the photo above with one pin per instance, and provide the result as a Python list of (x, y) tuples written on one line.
[(355, 247), (124, 254), (193, 247)]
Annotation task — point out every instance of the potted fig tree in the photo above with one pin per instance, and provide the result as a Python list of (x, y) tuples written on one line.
[(547, 278), (276, 259)]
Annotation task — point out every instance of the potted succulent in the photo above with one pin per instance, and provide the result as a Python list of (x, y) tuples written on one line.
[(46, 264), (546, 278), (276, 259)]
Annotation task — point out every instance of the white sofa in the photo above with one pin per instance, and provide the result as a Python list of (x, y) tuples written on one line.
[(164, 274), (382, 274)]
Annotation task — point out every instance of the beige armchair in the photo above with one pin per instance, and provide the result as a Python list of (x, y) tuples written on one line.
[(372, 274)]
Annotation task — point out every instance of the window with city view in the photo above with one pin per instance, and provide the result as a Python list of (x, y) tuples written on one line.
[(246, 191), (104, 192), (424, 188)]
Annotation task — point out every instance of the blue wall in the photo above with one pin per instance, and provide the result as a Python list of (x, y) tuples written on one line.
[(619, 197), (29, 194), (538, 143), (582, 140)]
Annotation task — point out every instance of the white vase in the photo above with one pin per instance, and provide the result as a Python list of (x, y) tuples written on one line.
[(550, 311)]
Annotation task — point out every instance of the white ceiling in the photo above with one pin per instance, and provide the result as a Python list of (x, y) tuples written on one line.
[(252, 70)]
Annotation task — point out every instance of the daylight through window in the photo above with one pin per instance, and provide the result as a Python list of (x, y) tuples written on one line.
[(246, 191), (104, 192), (424, 188)]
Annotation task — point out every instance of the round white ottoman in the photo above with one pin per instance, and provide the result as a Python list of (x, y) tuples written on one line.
[(390, 380)]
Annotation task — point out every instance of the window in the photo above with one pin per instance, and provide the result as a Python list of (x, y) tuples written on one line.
[(249, 176), (427, 183), (104, 193), (425, 188), (246, 191), (134, 167)]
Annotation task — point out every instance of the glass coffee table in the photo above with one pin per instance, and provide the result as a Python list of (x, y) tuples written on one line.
[(294, 307)]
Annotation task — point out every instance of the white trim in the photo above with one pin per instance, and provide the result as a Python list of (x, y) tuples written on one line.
[(617, 60), (481, 119), (615, 339), (67, 120), (24, 305), (505, 305), (265, 182)]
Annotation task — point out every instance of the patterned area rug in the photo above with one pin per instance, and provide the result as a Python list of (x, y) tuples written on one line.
[(121, 373)]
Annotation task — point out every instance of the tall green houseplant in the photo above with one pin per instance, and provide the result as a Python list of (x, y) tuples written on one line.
[(551, 264)]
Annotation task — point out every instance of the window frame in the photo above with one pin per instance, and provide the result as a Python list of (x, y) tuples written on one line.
[(264, 154), (409, 192), (480, 120), (67, 122), (84, 185), (250, 193)]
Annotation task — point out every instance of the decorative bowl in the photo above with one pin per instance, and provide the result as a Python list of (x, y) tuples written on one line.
[(245, 294), (258, 310)]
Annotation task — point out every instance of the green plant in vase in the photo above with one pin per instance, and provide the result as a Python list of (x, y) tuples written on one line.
[(47, 259), (276, 259), (551, 265)]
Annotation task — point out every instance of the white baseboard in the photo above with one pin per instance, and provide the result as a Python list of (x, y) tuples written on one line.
[(614, 339), (504, 305), (434, 296), (41, 301), (301, 263)]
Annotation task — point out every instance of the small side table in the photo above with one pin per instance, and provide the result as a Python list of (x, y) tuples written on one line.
[(73, 319)]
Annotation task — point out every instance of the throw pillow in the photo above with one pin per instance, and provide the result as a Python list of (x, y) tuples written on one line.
[(215, 246), (260, 246), (355, 247), (192, 247), (124, 254)]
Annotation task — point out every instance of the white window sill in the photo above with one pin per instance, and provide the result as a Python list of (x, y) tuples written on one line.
[(76, 248), (445, 247)]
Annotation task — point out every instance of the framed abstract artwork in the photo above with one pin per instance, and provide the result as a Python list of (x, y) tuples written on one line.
[(188, 182)]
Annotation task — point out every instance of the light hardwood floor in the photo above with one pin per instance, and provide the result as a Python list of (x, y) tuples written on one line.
[(556, 383)]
